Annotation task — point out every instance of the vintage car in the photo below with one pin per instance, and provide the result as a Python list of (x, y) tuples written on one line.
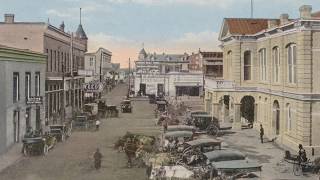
[(224, 155), (181, 128), (81, 121), (102, 108), (126, 106), (38, 145), (112, 111), (91, 110), (206, 122), (60, 132), (161, 105)]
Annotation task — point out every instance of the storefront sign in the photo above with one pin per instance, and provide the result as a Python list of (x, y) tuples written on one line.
[(93, 87), (34, 100)]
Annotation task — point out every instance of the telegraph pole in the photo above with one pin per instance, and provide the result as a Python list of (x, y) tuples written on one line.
[(251, 8), (129, 78), (72, 75)]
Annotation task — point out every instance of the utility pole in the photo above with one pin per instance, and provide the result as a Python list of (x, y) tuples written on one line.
[(129, 78), (72, 76), (251, 8), (101, 66)]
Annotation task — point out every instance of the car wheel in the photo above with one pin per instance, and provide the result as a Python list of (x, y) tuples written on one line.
[(25, 151), (45, 150)]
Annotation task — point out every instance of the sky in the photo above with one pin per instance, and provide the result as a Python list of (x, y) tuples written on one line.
[(170, 26)]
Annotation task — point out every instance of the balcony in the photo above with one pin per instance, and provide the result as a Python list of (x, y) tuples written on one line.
[(219, 84)]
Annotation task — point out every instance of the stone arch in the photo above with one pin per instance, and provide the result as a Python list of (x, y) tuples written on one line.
[(247, 108)]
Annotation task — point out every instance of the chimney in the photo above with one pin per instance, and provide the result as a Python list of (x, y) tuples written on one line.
[(9, 18), (284, 19), (305, 11), (272, 23)]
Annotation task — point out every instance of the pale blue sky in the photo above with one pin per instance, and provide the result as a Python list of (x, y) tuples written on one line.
[(163, 25)]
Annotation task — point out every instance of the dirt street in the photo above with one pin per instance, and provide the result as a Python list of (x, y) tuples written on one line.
[(72, 159)]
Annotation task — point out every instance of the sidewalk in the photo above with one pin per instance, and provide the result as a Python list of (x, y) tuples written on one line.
[(11, 156)]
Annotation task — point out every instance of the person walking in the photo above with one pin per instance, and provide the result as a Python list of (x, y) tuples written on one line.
[(261, 133), (97, 124), (97, 159)]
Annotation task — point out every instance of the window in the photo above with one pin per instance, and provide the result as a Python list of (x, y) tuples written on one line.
[(276, 64), (37, 84), (47, 52), (263, 64), (16, 87), (292, 63), (27, 85), (51, 61), (91, 61), (55, 61), (229, 64), (247, 65)]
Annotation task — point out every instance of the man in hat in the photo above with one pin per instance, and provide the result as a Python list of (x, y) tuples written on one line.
[(97, 159)]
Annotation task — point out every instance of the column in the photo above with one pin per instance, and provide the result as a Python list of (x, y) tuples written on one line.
[(215, 110), (237, 117), (256, 124)]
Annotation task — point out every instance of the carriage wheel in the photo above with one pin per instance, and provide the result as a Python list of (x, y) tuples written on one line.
[(297, 169), (45, 150)]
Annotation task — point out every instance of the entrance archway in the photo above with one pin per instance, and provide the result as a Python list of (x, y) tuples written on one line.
[(247, 108), (276, 117)]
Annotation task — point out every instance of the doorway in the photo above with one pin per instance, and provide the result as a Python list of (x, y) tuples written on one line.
[(160, 89), (276, 117), (38, 120), (247, 108), (142, 89)]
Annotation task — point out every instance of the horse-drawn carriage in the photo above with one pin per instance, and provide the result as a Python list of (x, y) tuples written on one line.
[(301, 166)]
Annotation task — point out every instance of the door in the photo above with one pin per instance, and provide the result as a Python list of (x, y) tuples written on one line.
[(16, 126), (38, 120), (160, 89), (143, 89), (28, 115)]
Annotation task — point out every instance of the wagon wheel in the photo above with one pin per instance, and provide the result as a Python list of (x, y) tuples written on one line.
[(45, 150), (297, 169)]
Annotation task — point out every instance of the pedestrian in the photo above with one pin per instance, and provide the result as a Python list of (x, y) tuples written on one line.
[(97, 124), (97, 159), (302, 155), (261, 133)]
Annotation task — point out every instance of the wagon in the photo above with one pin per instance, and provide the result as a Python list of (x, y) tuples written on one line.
[(299, 168), (38, 145)]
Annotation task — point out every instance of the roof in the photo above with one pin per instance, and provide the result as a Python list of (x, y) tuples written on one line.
[(181, 128), (224, 155), (246, 26), (238, 164), (198, 142), (212, 54), (22, 55), (178, 134), (80, 32), (316, 14)]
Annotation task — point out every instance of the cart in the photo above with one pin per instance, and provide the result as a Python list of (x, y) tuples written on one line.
[(300, 167)]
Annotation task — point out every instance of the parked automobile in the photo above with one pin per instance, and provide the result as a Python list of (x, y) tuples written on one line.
[(161, 105), (126, 106), (38, 145), (112, 111), (60, 132), (92, 110)]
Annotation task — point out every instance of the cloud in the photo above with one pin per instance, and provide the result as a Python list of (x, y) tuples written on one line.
[(219, 3), (122, 48)]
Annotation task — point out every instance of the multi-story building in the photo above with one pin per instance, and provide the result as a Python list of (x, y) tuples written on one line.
[(22, 79), (96, 64), (65, 56), (210, 63), (271, 77), (166, 74)]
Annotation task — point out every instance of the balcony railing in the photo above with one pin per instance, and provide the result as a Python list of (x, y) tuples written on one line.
[(219, 84)]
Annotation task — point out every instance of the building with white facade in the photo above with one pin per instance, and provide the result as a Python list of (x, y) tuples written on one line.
[(166, 74)]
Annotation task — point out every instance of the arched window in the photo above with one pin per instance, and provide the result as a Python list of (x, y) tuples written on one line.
[(263, 64), (289, 117), (247, 65), (292, 63), (276, 64)]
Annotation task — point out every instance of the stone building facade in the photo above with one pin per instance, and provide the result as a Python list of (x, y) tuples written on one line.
[(22, 79), (65, 56), (271, 77)]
